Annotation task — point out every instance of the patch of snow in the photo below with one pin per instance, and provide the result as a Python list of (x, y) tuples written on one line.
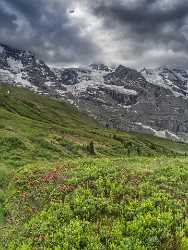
[(49, 83), (6, 76), (172, 136), (23, 82), (125, 106), (16, 79), (122, 90), (159, 133), (150, 129), (94, 79), (70, 101), (60, 92), (163, 79), (184, 137), (15, 65)]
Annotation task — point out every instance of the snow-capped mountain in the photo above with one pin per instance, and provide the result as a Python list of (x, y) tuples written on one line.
[(173, 79), (21, 67), (152, 101)]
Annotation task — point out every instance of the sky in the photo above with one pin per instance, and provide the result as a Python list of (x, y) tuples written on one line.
[(135, 33)]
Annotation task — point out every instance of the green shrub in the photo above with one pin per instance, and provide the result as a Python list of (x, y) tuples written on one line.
[(91, 148)]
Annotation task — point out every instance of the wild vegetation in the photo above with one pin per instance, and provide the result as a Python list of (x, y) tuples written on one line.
[(67, 183)]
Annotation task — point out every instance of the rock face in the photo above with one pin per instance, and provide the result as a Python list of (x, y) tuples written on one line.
[(170, 78), (152, 101), (23, 68)]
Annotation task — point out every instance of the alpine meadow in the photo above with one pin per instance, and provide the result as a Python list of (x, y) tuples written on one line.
[(93, 125)]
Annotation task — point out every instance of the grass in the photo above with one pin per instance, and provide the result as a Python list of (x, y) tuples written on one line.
[(67, 183)]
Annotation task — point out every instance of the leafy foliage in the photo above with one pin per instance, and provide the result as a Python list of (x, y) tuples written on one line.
[(99, 204)]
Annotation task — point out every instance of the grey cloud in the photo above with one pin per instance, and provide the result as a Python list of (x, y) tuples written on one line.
[(135, 28), (146, 24), (145, 16), (7, 20), (51, 33)]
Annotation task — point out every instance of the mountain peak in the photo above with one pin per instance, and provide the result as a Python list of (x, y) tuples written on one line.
[(99, 66), (15, 52)]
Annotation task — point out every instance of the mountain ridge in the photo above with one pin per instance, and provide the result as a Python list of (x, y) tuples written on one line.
[(149, 101)]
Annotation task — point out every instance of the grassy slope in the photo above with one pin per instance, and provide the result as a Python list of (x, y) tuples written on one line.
[(34, 127), (38, 136)]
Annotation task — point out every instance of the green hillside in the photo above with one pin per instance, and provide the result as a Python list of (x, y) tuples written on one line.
[(67, 183), (34, 127)]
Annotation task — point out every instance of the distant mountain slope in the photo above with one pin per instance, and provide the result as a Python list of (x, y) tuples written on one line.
[(150, 101), (173, 79)]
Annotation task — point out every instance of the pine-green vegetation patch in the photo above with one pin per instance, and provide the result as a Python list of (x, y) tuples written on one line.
[(67, 183)]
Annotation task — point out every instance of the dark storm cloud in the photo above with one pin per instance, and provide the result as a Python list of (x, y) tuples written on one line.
[(45, 26), (134, 32), (147, 24), (7, 20), (144, 16)]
